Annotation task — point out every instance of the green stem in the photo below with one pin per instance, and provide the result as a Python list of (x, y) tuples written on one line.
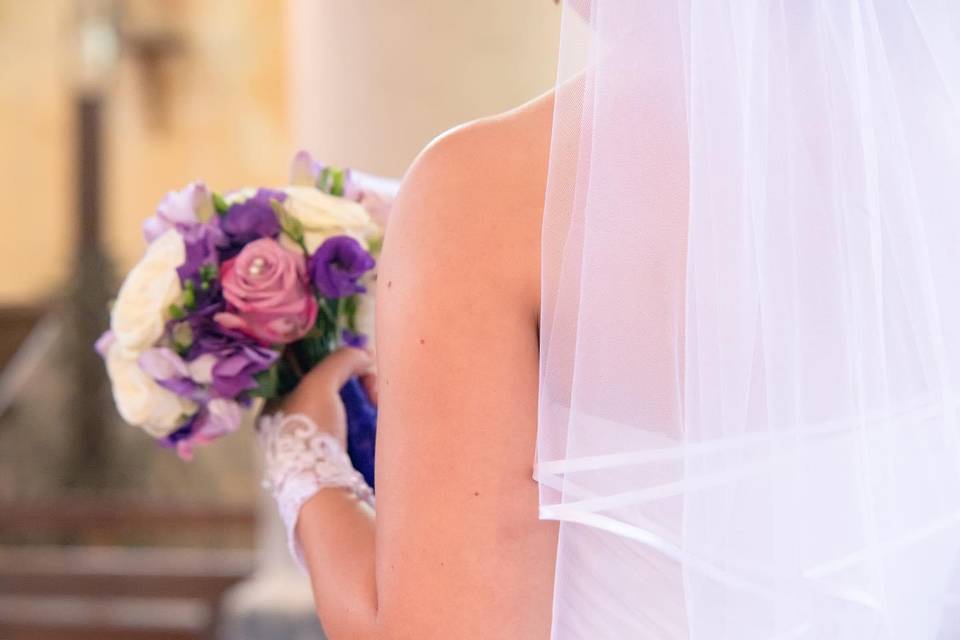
[(330, 315), (291, 359)]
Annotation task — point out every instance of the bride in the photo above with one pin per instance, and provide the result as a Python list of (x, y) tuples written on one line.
[(671, 352), (456, 548)]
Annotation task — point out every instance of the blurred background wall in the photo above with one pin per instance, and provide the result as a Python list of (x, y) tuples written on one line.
[(200, 91), (245, 83), (107, 535), (372, 81)]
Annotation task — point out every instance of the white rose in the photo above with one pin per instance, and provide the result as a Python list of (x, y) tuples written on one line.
[(140, 310), (140, 400), (240, 195), (323, 215)]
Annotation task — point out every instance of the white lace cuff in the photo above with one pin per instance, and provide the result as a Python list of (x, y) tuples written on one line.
[(302, 459)]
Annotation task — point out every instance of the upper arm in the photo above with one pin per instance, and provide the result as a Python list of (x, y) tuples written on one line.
[(459, 544)]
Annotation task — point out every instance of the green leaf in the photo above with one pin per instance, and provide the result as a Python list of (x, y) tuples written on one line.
[(208, 272), (323, 180), (266, 383), (176, 312), (220, 204), (290, 225), (327, 318), (339, 178), (332, 180)]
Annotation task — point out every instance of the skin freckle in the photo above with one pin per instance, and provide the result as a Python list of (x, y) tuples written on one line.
[(422, 341)]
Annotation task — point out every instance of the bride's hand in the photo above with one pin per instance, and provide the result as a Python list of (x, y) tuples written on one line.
[(318, 395)]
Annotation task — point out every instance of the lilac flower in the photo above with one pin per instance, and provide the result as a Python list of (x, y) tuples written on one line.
[(236, 369), (180, 210), (217, 418), (337, 265), (250, 220), (170, 371), (307, 172), (104, 342), (220, 417), (161, 363)]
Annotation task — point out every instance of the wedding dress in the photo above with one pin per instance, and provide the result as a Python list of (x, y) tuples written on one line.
[(750, 326)]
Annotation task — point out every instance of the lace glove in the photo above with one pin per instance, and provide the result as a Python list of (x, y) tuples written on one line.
[(300, 460)]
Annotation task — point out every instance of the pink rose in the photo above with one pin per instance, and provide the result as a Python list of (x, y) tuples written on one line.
[(267, 288)]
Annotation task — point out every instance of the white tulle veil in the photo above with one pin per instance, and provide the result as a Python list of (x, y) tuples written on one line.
[(750, 331)]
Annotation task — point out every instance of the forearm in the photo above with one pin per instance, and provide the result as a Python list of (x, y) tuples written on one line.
[(336, 532)]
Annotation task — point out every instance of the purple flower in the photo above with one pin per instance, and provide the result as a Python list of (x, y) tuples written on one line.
[(200, 267), (237, 358), (179, 210), (353, 339), (183, 433), (236, 369), (337, 265), (211, 338), (200, 242), (250, 220)]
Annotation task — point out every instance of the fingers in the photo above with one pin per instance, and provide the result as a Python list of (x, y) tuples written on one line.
[(341, 365), (369, 382)]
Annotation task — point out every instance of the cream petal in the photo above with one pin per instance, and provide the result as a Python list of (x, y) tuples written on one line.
[(140, 400), (140, 310)]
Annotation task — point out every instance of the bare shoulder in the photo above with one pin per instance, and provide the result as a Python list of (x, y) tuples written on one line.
[(514, 144), (457, 357), (515, 137), (480, 187)]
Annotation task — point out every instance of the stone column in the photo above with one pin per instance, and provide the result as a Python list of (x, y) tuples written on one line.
[(372, 82)]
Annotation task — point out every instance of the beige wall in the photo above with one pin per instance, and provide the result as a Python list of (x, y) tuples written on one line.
[(222, 115), (364, 83), (227, 114), (375, 80), (34, 147)]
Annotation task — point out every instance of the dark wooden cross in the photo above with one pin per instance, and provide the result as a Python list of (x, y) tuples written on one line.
[(103, 37)]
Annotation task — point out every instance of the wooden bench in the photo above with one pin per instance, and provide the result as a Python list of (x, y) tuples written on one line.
[(80, 521), (115, 592)]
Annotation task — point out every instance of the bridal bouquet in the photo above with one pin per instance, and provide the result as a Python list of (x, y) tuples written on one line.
[(237, 296)]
